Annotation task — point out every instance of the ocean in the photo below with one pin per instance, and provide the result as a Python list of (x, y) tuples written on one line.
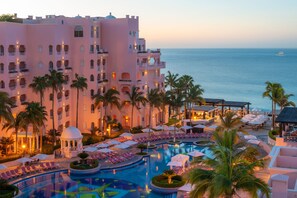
[(236, 74)]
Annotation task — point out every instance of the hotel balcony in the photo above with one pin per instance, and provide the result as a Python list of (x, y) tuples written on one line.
[(125, 81), (13, 73), (148, 52), (101, 51), (102, 81), (146, 66)]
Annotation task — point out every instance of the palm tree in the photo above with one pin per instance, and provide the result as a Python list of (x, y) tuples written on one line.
[(153, 99), (6, 142), (230, 170), (35, 115), (5, 107), (228, 122), (55, 81), (284, 101), (273, 91), (109, 98), (135, 99), (184, 84), (195, 96), (80, 83), (171, 81), (39, 85), (16, 123)]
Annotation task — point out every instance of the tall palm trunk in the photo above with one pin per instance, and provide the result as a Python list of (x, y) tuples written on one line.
[(16, 139), (150, 123), (77, 98), (105, 120), (27, 147), (41, 139), (132, 116), (41, 96), (53, 116), (273, 115)]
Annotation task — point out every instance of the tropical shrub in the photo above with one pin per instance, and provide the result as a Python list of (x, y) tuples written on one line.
[(137, 129), (7, 190), (84, 166), (272, 134), (162, 181)]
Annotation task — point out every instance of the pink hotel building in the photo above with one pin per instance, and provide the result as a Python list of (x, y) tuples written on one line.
[(105, 50)]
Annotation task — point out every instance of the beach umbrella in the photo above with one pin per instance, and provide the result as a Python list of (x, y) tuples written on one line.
[(175, 163), (105, 150), (256, 142), (23, 160), (2, 166), (196, 153), (112, 142), (90, 149), (130, 142), (186, 188), (40, 156), (186, 127), (126, 135), (200, 126), (122, 146), (250, 137), (102, 145), (171, 128), (147, 130)]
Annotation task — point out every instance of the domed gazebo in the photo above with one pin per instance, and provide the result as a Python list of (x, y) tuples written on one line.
[(71, 142)]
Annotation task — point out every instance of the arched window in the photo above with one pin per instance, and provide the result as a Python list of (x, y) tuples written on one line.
[(125, 76), (58, 48), (98, 62), (66, 63), (11, 49), (1, 68), (66, 94), (23, 98), (50, 65), (92, 92), (78, 31), (99, 91), (104, 62), (125, 89), (92, 77), (11, 67), (2, 84), (59, 96), (66, 49), (92, 64), (67, 124), (92, 108), (98, 77), (23, 82), (12, 84), (1, 50), (51, 97), (22, 49), (103, 91), (59, 64), (66, 78), (92, 125), (22, 65), (60, 128), (50, 50)]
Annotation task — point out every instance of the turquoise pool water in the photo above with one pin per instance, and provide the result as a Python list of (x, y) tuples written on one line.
[(127, 182)]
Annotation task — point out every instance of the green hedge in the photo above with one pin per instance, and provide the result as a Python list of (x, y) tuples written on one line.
[(162, 181), (8, 159), (272, 134), (8, 191), (79, 166)]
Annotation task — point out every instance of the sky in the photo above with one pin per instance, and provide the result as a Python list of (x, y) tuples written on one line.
[(186, 23)]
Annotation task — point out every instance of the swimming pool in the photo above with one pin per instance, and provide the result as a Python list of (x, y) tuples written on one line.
[(127, 182)]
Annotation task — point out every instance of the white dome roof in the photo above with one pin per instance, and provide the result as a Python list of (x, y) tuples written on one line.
[(71, 133)]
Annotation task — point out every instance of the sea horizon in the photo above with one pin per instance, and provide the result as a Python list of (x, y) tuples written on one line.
[(237, 74)]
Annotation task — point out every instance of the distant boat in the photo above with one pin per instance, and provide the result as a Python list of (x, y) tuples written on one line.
[(280, 53)]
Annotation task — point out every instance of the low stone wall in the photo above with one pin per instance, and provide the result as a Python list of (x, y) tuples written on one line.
[(84, 172), (163, 190)]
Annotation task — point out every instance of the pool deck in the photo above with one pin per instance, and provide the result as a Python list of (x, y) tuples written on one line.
[(64, 163)]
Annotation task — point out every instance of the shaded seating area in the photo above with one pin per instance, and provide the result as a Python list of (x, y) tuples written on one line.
[(287, 120)]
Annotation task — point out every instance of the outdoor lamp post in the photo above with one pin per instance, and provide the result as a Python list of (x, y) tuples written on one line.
[(24, 148)]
